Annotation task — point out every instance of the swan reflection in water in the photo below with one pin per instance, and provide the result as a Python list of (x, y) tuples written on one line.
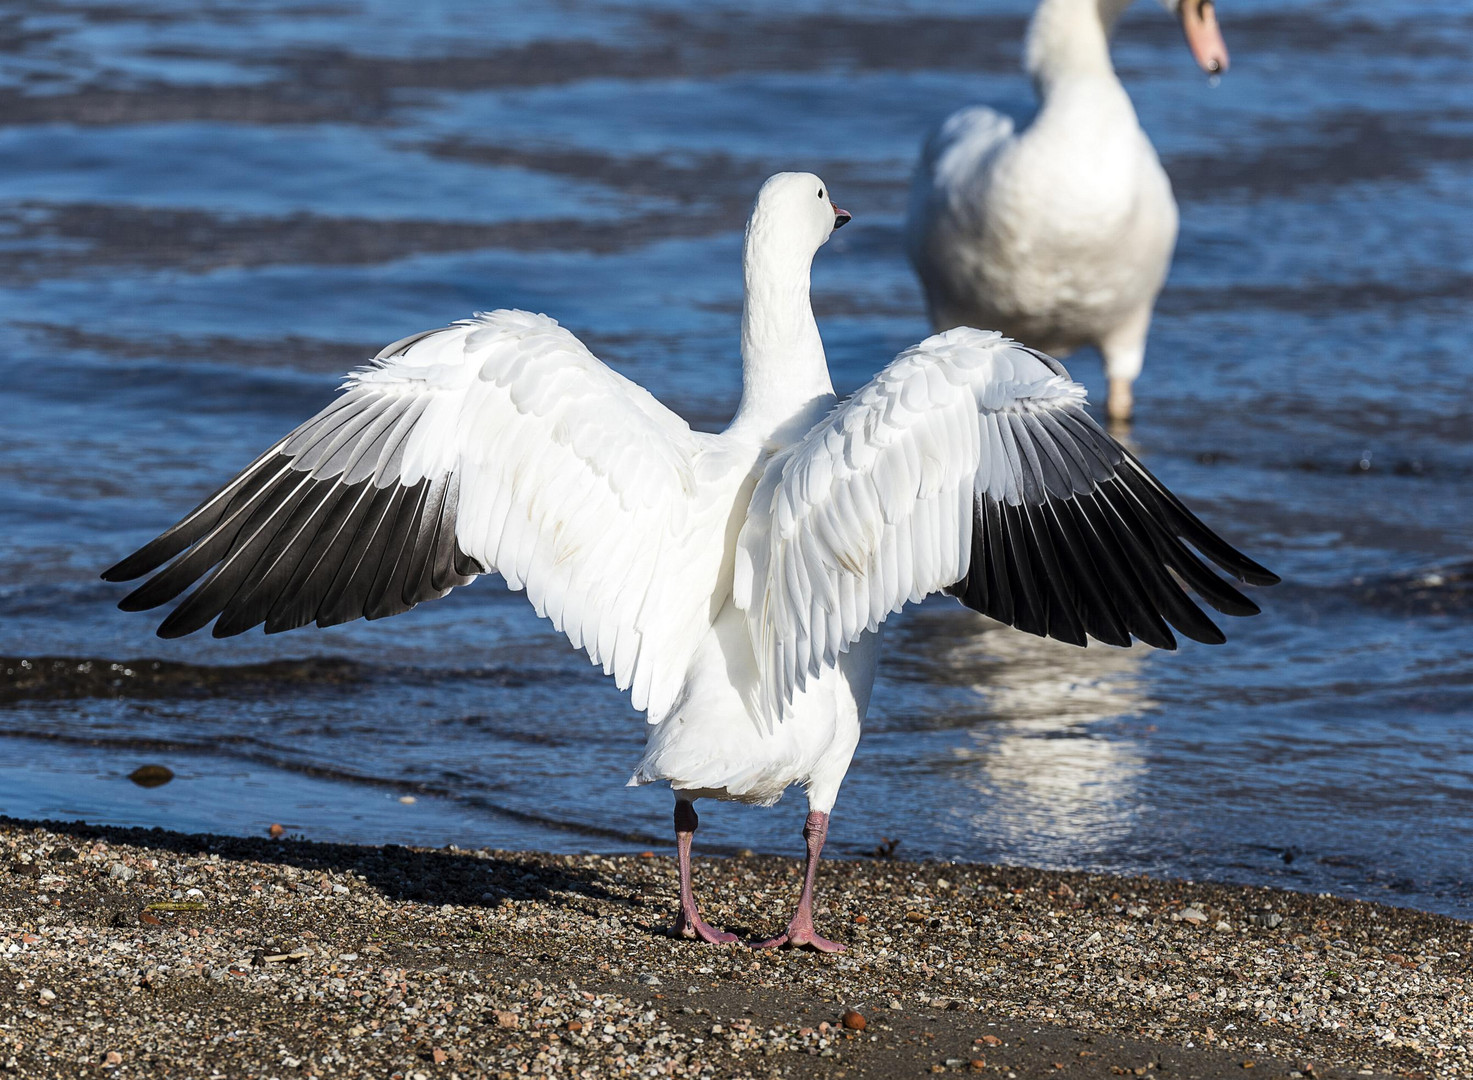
[(1050, 786)]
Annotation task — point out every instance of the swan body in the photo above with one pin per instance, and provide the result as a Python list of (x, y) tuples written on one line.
[(1060, 233), (736, 583)]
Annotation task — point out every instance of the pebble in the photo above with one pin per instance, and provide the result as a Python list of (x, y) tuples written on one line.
[(151, 776)]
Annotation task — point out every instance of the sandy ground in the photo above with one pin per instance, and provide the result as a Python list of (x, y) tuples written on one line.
[(150, 953)]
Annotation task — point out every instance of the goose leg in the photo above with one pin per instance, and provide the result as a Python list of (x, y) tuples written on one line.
[(800, 930), (688, 923)]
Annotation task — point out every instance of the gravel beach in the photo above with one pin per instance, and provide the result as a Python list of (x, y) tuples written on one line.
[(152, 953)]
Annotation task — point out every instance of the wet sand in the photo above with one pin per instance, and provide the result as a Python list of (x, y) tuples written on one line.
[(138, 952)]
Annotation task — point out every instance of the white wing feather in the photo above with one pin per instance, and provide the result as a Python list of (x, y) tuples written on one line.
[(576, 484), (498, 443), (872, 509)]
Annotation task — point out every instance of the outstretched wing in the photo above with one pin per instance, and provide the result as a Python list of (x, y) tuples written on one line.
[(969, 464), (498, 443)]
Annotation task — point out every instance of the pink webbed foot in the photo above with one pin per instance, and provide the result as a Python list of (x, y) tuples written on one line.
[(799, 937), (691, 926), (800, 932), (688, 921)]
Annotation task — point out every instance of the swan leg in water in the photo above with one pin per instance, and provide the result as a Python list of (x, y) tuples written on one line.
[(800, 930), (688, 923), (1120, 402), (1124, 353)]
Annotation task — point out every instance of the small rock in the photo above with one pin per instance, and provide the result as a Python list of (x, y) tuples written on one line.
[(120, 872), (408, 800), (439, 1056), (151, 776), (1195, 916), (506, 1018), (277, 830), (853, 1020), (990, 1040), (113, 1059)]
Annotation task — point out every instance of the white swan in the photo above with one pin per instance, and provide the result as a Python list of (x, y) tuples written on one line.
[(734, 583), (1059, 234)]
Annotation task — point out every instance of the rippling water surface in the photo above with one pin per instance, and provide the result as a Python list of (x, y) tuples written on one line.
[(209, 212)]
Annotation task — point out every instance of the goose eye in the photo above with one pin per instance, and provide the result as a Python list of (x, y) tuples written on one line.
[(820, 193)]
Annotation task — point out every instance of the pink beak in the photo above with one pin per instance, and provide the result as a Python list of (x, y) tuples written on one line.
[(1199, 24)]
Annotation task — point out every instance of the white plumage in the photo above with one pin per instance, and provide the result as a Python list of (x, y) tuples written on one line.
[(1059, 234), (734, 583)]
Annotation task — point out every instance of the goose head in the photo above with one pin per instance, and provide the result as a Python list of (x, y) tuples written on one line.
[(1199, 24), (793, 217)]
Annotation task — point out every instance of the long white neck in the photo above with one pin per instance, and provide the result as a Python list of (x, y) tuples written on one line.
[(1070, 39), (785, 376)]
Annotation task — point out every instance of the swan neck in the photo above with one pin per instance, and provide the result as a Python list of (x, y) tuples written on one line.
[(784, 370), (1070, 39)]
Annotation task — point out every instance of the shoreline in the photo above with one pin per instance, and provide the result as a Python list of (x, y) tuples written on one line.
[(132, 952)]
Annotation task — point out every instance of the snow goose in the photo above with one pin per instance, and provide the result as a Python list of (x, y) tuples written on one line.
[(1059, 234), (734, 583)]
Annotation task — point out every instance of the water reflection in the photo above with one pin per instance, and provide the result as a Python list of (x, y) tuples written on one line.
[(1051, 781)]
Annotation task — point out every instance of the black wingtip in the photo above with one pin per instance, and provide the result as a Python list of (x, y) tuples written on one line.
[(1203, 636), (1254, 574), (137, 600), (137, 564)]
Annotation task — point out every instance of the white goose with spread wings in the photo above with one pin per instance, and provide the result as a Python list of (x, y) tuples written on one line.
[(734, 583)]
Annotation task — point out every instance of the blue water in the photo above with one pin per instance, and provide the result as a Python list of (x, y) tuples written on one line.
[(207, 213)]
